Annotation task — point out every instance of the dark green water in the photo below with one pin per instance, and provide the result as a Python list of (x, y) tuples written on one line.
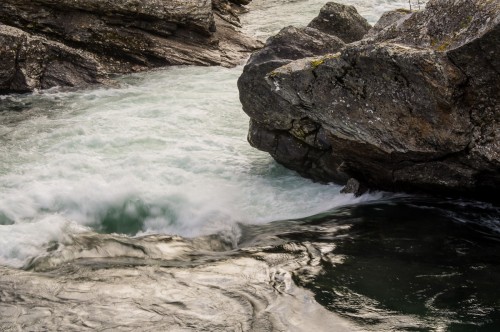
[(409, 264)]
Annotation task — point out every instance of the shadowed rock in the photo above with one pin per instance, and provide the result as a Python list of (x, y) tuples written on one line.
[(354, 187), (30, 61)]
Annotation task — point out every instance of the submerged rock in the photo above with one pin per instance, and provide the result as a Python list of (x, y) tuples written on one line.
[(354, 187), (414, 106), (48, 43)]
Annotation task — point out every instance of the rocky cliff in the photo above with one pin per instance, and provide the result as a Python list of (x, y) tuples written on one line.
[(46, 43), (412, 106)]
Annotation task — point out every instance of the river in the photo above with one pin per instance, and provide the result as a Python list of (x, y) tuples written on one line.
[(142, 206)]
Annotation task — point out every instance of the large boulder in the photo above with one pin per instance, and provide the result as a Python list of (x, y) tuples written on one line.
[(414, 106), (115, 36), (272, 117)]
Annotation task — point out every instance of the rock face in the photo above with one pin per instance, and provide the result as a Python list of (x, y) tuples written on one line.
[(414, 106), (72, 43)]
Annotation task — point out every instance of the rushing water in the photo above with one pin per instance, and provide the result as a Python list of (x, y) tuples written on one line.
[(165, 152)]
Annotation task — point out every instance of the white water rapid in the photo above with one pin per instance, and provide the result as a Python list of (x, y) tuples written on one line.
[(164, 152)]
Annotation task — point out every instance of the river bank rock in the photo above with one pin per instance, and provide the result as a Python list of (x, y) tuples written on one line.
[(414, 106), (46, 43)]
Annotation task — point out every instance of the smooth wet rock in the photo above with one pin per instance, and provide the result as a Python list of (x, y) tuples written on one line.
[(414, 106), (118, 37), (111, 282), (342, 21)]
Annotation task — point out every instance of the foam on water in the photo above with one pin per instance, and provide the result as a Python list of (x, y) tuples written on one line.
[(165, 152), (23, 240)]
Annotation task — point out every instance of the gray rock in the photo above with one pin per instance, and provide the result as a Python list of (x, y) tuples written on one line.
[(269, 122), (353, 186), (117, 37), (273, 118), (388, 19), (30, 62), (341, 21), (289, 44), (229, 10), (415, 107)]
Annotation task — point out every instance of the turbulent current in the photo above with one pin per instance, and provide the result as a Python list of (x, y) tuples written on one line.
[(142, 207)]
